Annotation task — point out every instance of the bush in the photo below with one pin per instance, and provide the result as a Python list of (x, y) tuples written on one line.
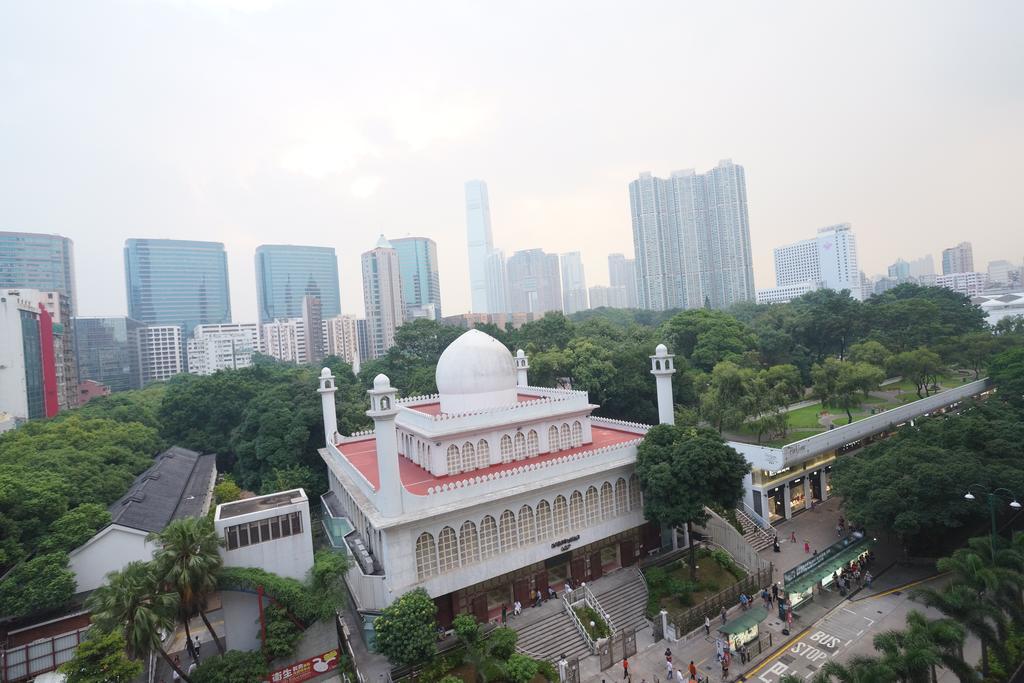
[(227, 491), (520, 668), (40, 584), (726, 562), (448, 678), (657, 578), (710, 586), (234, 666), (502, 642), (682, 590), (282, 634), (437, 670), (467, 629), (407, 630), (588, 614), (306, 606), (547, 670)]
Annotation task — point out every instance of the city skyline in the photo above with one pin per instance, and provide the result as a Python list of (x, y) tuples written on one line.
[(824, 139)]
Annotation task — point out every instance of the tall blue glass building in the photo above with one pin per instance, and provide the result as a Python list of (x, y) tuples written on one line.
[(36, 261), (108, 351), (285, 273), (177, 282), (421, 283)]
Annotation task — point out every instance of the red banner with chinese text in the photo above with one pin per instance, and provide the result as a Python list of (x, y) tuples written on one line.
[(306, 669)]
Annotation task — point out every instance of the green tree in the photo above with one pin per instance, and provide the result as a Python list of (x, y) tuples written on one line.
[(227, 491), (871, 352), (406, 630), (132, 604), (845, 385), (826, 322), (37, 585), (921, 366), (100, 658), (857, 670), (706, 338), (1007, 371), (326, 578), (961, 604), (722, 404), (234, 666), (75, 527), (915, 653), (187, 562), (695, 461), (282, 633), (520, 668)]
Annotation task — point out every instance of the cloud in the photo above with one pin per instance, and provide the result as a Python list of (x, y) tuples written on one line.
[(364, 187)]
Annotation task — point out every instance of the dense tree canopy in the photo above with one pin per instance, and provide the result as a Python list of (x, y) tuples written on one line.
[(406, 629)]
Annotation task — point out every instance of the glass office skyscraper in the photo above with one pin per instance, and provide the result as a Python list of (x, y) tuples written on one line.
[(177, 282), (421, 283), (36, 261), (108, 351), (285, 273)]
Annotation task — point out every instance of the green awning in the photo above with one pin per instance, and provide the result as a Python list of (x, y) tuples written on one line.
[(745, 621), (802, 583)]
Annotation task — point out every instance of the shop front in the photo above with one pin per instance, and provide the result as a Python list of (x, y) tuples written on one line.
[(797, 496), (819, 571)]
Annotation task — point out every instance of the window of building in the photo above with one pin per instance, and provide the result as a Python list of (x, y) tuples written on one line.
[(520, 446), (426, 556), (469, 543), (468, 457), (506, 448), (251, 533), (507, 532), (543, 520), (553, 444), (577, 434), (561, 515), (607, 501), (447, 549), (527, 530), (592, 506), (566, 436), (483, 454), (453, 459), (621, 497), (532, 444), (488, 537), (576, 519), (634, 492)]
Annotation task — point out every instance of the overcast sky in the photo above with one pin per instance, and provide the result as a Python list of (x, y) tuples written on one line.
[(327, 123)]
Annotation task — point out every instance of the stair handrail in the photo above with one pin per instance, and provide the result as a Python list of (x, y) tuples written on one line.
[(760, 530), (591, 600), (757, 519), (591, 644)]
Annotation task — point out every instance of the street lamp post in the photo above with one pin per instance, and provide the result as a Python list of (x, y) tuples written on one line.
[(992, 495)]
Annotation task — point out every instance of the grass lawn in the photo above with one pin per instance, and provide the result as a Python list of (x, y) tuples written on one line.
[(804, 417), (712, 577)]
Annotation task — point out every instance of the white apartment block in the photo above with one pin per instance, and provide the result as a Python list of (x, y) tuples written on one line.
[(969, 284), (609, 297), (285, 340), (228, 346), (574, 284), (786, 293), (160, 352), (1001, 273), (382, 297), (342, 338), (830, 259)]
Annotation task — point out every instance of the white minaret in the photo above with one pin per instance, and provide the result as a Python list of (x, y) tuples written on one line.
[(326, 392), (663, 367), (522, 365), (383, 411)]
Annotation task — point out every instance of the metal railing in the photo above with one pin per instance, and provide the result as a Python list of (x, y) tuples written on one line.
[(757, 519), (689, 619), (592, 601), (761, 531), (591, 643)]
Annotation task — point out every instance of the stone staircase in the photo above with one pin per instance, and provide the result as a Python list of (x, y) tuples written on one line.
[(626, 603), (551, 637), (758, 538)]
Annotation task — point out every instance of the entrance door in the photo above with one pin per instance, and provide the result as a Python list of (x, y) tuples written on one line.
[(479, 605), (541, 582), (444, 610), (595, 565), (579, 571), (815, 478), (652, 537), (521, 589), (627, 552)]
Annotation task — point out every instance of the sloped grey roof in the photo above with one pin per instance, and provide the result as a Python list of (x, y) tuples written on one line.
[(175, 486)]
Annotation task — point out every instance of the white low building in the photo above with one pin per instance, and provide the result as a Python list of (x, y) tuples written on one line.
[(227, 346)]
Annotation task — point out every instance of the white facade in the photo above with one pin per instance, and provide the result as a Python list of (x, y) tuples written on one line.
[(830, 258), (342, 338), (958, 259), (608, 297), (480, 243), (111, 549), (228, 346), (574, 283), (968, 284), (160, 352), (1000, 272), (999, 306), (13, 382), (622, 273), (285, 340), (382, 296), (496, 273), (785, 293)]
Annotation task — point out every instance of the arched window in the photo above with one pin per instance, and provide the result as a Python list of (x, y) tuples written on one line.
[(532, 444), (453, 459), (592, 506), (469, 543), (561, 515), (553, 444), (483, 454), (506, 448), (520, 446), (527, 531), (543, 520), (448, 549), (607, 501), (507, 533), (426, 556), (621, 497), (577, 434), (385, 403), (576, 519), (468, 457), (634, 492), (488, 537), (566, 436)]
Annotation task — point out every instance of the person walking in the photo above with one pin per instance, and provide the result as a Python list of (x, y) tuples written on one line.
[(723, 615), (668, 671), (504, 614), (743, 601), (198, 644), (807, 547), (693, 670), (775, 592), (175, 676), (719, 649), (707, 625), (775, 544), (625, 668), (792, 536)]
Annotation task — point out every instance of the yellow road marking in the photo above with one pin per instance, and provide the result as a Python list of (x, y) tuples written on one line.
[(901, 588)]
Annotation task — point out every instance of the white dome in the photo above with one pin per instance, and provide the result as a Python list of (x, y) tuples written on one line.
[(660, 350), (381, 381), (476, 371)]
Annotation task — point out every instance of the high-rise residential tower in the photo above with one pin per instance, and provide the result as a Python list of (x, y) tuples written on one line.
[(497, 283), (534, 283), (37, 261), (574, 283), (622, 273), (421, 282), (382, 296), (691, 237), (958, 259), (177, 282), (285, 273), (481, 243)]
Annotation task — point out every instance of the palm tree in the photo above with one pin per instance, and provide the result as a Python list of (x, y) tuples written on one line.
[(131, 603), (979, 617), (916, 653), (187, 562), (947, 636), (857, 670)]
